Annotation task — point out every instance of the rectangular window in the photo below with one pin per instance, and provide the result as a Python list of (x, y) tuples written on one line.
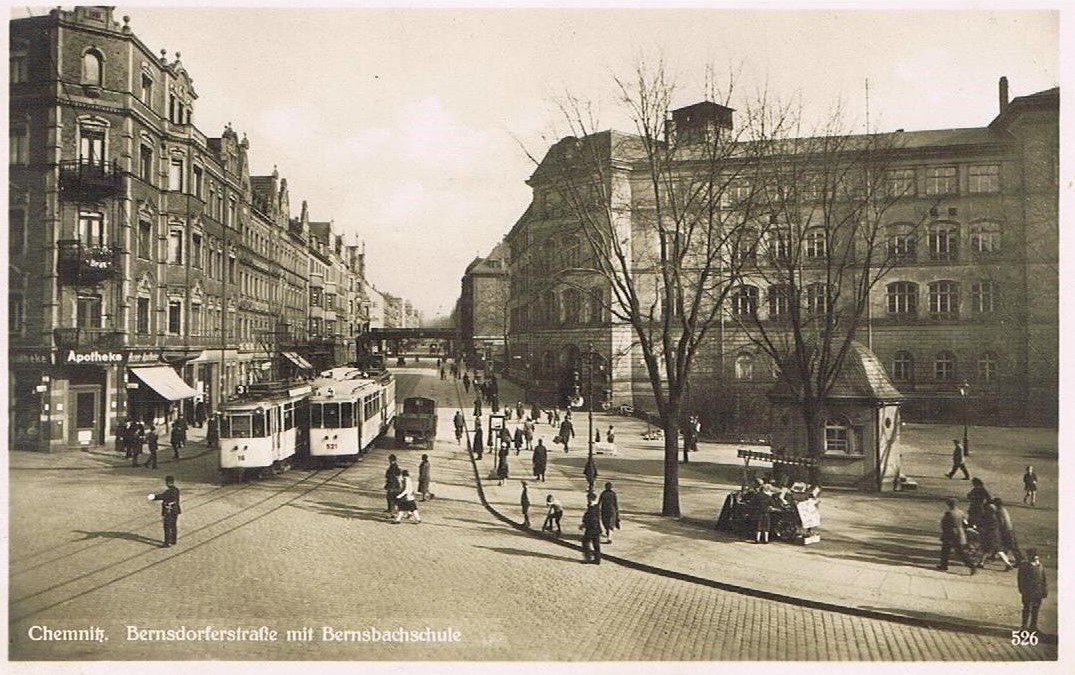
[(145, 164), (900, 182), (19, 71), (944, 298), (231, 213), (175, 247), (836, 438), (145, 240), (315, 297), (330, 301), (147, 89), (175, 175), (196, 250), (942, 180), (89, 311), (141, 326), (195, 318), (91, 229), (91, 148), (197, 182), (19, 145), (231, 270), (983, 297), (983, 178), (16, 316), (943, 241), (175, 317), (17, 231)]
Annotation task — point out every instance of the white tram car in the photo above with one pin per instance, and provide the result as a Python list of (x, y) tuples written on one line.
[(348, 410), (262, 429)]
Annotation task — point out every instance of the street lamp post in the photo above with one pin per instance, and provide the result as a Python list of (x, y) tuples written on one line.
[(964, 389)]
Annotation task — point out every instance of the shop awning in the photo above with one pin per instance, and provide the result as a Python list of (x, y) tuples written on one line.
[(298, 360), (165, 382)]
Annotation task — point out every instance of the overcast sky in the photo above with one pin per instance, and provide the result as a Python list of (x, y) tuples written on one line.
[(404, 125)]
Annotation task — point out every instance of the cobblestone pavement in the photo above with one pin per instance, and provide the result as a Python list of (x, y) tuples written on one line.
[(314, 550)]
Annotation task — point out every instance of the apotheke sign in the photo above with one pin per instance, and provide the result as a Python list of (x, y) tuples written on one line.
[(95, 357)]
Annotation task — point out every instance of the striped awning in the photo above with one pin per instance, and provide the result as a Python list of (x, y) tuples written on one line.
[(298, 360)]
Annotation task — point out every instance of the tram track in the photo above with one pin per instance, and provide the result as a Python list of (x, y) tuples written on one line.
[(109, 572)]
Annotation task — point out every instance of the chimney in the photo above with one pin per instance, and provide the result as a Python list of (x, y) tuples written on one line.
[(1003, 94)]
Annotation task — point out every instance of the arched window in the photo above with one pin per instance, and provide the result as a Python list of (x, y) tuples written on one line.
[(572, 306), (903, 366), (944, 367), (987, 367), (745, 301), (985, 237), (902, 298), (943, 242), (744, 367), (92, 68)]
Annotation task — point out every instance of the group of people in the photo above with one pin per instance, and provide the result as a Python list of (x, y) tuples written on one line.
[(134, 434), (988, 517), (400, 491), (602, 515)]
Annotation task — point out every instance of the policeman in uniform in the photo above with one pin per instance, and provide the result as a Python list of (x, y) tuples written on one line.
[(169, 500)]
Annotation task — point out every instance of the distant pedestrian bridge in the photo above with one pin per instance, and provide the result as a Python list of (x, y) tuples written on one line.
[(410, 341)]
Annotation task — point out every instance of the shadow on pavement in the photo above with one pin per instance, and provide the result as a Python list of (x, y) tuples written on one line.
[(88, 535), (530, 554)]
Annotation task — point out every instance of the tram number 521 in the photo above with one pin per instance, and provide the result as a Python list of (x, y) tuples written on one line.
[(330, 446), (1024, 637)]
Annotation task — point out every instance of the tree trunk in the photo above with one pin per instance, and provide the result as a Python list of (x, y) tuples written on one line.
[(670, 507)]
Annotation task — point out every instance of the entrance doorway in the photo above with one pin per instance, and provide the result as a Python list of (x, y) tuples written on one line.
[(85, 402)]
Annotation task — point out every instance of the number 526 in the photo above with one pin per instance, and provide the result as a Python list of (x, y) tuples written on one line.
[(1024, 637)]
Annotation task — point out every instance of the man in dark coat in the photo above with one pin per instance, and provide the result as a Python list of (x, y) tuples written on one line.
[(567, 432), (957, 461), (460, 425), (610, 511), (477, 445), (590, 472), (466, 382), (170, 511), (1032, 587), (138, 436), (954, 536), (392, 483), (540, 459), (176, 438), (977, 498), (591, 531), (151, 445)]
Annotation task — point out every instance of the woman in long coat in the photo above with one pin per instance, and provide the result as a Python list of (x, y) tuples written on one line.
[(541, 459), (477, 445)]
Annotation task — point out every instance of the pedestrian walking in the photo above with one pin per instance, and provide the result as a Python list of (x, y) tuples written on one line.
[(610, 511), (176, 438), (478, 406), (957, 461), (1032, 588), (170, 510), (553, 515), (517, 439), (181, 422), (212, 432), (466, 382), (548, 416), (610, 435), (590, 472), (423, 478), (1008, 542), (502, 468), (519, 410), (151, 447), (989, 537), (391, 484), (567, 432), (460, 426), (591, 531), (540, 460), (1030, 486), (524, 503), (476, 445), (442, 372), (954, 536), (528, 433), (977, 498), (405, 503), (199, 413)]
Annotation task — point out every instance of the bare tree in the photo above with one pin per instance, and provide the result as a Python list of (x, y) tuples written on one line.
[(648, 207)]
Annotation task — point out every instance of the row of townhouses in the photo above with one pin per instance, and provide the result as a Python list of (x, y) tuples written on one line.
[(150, 274), (964, 320)]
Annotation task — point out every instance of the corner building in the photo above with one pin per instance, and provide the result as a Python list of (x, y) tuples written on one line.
[(964, 322), (149, 273)]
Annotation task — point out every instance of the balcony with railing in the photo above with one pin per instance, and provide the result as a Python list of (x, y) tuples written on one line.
[(81, 264), (82, 179), (87, 338)]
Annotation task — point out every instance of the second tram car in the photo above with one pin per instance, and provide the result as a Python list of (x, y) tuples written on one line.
[(263, 428), (348, 410)]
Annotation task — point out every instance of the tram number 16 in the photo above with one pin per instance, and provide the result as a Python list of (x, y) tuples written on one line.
[(1024, 637)]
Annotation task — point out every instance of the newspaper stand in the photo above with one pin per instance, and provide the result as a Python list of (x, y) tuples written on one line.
[(795, 516)]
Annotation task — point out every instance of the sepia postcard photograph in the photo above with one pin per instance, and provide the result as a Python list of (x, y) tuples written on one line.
[(494, 337)]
